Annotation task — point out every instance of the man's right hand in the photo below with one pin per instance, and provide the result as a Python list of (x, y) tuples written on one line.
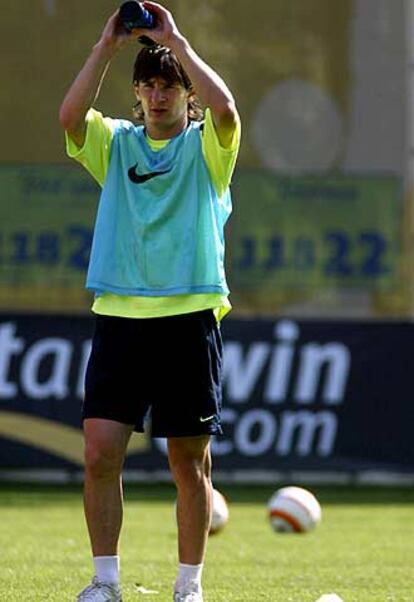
[(114, 35), (84, 90)]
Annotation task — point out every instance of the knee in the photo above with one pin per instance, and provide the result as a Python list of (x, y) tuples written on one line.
[(190, 478), (191, 472), (102, 462)]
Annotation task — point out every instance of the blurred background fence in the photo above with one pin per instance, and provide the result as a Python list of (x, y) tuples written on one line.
[(320, 245)]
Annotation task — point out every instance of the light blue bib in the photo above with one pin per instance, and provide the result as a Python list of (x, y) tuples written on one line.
[(159, 226)]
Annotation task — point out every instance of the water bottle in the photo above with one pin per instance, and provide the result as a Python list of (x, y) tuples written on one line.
[(133, 16)]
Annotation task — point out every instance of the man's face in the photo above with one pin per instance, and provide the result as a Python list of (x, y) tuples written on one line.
[(164, 105)]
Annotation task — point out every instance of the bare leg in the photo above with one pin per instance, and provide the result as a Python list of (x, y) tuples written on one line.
[(190, 463), (105, 446)]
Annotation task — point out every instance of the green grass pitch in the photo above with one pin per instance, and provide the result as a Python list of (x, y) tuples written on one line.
[(363, 550)]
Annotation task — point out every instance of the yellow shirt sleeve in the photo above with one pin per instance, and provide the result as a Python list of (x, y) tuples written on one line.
[(94, 154), (220, 161)]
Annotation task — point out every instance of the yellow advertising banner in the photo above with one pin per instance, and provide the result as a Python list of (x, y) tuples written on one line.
[(292, 238), (287, 236), (46, 221)]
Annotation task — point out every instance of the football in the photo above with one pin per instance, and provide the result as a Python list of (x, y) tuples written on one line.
[(293, 510), (220, 515)]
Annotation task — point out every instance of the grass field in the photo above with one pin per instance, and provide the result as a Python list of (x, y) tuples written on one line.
[(363, 550)]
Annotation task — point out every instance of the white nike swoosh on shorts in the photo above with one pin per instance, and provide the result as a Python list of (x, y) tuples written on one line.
[(207, 418)]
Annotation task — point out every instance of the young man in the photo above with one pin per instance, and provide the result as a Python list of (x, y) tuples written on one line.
[(157, 271)]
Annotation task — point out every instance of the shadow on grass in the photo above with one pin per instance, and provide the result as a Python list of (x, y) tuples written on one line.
[(32, 494)]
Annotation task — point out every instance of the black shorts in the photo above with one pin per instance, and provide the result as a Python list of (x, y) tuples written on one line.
[(168, 368)]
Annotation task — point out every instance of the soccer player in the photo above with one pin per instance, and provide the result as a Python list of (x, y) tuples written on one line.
[(157, 271)]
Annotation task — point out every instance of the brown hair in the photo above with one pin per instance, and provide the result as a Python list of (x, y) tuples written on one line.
[(159, 61)]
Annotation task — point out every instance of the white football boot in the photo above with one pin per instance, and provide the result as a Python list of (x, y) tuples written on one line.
[(98, 591)]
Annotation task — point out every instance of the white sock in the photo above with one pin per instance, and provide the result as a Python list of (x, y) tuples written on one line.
[(189, 578), (107, 568)]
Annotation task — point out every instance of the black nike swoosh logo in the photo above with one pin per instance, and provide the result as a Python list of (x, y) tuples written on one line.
[(141, 178)]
